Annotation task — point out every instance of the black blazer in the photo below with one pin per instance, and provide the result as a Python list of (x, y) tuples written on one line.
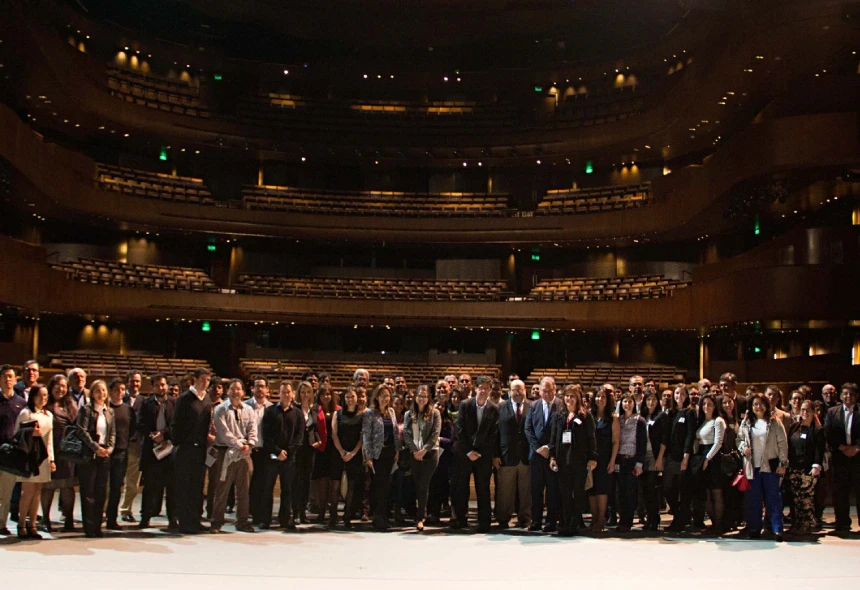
[(803, 453), (680, 434), (537, 431), (147, 421), (583, 447), (513, 444), (310, 435), (484, 440), (834, 430), (658, 431)]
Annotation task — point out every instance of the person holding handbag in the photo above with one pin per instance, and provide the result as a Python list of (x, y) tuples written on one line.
[(421, 427), (731, 464), (31, 487), (98, 433), (64, 410), (764, 445), (805, 457), (705, 463)]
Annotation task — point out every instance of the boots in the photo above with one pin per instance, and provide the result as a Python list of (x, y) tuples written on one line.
[(333, 494)]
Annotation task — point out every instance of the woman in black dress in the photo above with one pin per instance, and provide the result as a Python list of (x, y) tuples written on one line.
[(573, 454), (656, 421), (608, 436), (346, 437), (325, 407), (62, 406)]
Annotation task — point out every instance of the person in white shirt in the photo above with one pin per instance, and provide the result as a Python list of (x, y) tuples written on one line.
[(98, 433), (708, 474), (31, 487), (258, 403)]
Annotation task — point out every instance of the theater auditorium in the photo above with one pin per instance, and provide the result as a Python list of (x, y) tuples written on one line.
[(421, 292)]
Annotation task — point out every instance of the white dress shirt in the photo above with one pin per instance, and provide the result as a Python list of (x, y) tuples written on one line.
[(848, 417)]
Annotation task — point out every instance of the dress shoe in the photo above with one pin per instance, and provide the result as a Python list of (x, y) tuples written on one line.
[(230, 510), (113, 526), (32, 533), (778, 537), (172, 526), (48, 528), (303, 517), (623, 528), (128, 518), (613, 520), (455, 524), (202, 528), (549, 528), (245, 528), (565, 532), (483, 529), (5, 532), (503, 526), (534, 528), (265, 526), (143, 524), (69, 527), (215, 530)]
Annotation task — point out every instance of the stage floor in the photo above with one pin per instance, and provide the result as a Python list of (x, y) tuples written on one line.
[(133, 559)]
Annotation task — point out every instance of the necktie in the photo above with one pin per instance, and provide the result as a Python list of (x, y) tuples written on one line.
[(519, 412)]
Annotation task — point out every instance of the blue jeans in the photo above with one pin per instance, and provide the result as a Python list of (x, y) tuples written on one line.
[(764, 487)]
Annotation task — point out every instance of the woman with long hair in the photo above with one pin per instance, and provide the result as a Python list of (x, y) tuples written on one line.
[(65, 411), (346, 437), (381, 446), (607, 435), (680, 436), (764, 445), (306, 452), (98, 429), (733, 500), (325, 405), (656, 423), (440, 484), (573, 453), (805, 458), (421, 429), (707, 472), (31, 487), (402, 485), (631, 459)]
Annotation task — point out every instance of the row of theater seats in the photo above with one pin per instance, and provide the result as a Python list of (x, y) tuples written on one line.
[(605, 289), (341, 372), (152, 185), (594, 200), (336, 115), (105, 365), (155, 185), (157, 92), (593, 375), (147, 276), (276, 198), (574, 115), (367, 288)]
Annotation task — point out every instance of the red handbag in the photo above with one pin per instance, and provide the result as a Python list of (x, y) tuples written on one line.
[(741, 482)]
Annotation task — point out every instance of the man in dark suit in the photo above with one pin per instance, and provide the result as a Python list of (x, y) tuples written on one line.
[(538, 425), (153, 426), (477, 445), (512, 466), (728, 385), (842, 430), (190, 433)]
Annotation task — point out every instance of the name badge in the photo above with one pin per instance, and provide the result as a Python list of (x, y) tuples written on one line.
[(577, 421), (566, 437), (681, 420), (650, 422), (803, 436)]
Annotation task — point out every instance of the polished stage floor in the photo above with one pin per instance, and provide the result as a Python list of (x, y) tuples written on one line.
[(404, 559)]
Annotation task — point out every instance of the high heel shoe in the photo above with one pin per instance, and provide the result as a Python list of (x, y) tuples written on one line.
[(32, 533), (22, 532)]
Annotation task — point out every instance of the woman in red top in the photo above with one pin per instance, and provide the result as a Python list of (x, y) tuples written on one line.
[(326, 405)]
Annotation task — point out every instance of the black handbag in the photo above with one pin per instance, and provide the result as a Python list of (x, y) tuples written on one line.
[(731, 462), (72, 447)]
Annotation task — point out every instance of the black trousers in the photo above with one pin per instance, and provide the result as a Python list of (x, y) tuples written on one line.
[(543, 478), (304, 466), (258, 480), (380, 487), (93, 482), (628, 492), (482, 469), (571, 484), (189, 465), (846, 477), (286, 472), (678, 487), (652, 486), (158, 478), (118, 465)]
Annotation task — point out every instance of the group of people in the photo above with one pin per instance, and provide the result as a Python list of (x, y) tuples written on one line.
[(554, 454)]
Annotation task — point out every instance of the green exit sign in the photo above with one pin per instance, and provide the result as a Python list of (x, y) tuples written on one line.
[(211, 247), (535, 334), (205, 327), (536, 257)]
